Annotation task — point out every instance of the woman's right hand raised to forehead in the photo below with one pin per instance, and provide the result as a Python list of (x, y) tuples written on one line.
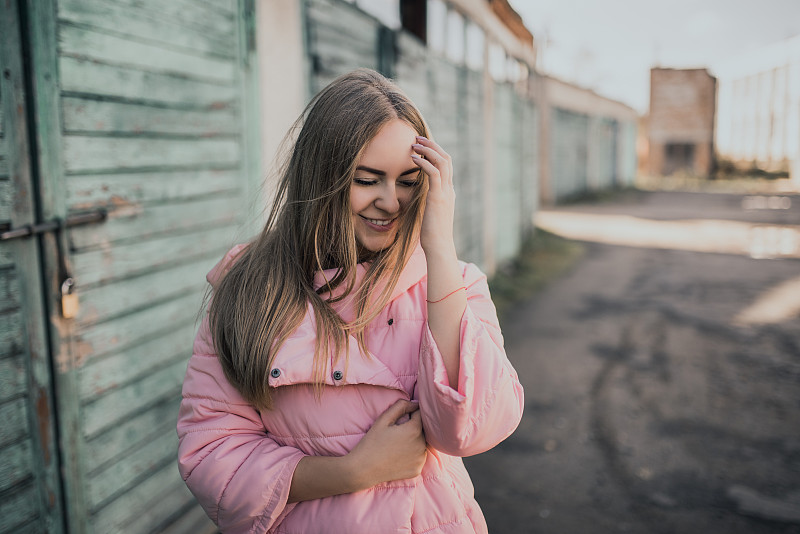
[(394, 448), (437, 221)]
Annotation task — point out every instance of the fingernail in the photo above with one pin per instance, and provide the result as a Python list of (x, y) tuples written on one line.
[(417, 145), (422, 138), (414, 156)]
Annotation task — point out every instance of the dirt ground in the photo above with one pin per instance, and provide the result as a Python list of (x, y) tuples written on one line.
[(654, 402)]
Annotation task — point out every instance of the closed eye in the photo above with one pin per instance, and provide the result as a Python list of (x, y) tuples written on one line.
[(365, 181)]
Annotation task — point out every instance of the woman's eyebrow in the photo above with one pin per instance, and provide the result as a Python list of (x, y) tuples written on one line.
[(383, 173)]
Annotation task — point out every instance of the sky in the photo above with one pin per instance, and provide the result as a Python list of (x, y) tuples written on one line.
[(610, 45)]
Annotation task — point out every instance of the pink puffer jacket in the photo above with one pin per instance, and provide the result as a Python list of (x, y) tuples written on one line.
[(239, 462)]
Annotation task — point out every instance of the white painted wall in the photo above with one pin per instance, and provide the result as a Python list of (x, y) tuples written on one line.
[(283, 83), (758, 110)]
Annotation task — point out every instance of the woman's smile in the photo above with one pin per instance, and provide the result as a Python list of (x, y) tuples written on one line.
[(384, 184), (380, 225)]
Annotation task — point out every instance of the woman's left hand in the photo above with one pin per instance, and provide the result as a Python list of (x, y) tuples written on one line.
[(437, 221)]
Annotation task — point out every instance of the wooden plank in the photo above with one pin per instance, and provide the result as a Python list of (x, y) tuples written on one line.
[(359, 40), (347, 19), (227, 7), (15, 464), (93, 190), (194, 520), (102, 154), (142, 222), (161, 511), (137, 327), (14, 415), (123, 261), (127, 469), (129, 433), (6, 258), (81, 43), (19, 508), (119, 368), (13, 376), (141, 507), (118, 405), (187, 12), (144, 21), (6, 198), (86, 77), (83, 115), (101, 303), (9, 290), (11, 334)]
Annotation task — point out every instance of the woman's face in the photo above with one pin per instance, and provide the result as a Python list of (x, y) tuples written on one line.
[(384, 184)]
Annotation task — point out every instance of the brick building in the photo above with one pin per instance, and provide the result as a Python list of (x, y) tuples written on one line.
[(681, 121)]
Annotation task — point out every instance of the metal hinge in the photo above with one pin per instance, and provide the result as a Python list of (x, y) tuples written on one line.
[(54, 225)]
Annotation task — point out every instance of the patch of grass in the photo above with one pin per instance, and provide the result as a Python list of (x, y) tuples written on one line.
[(542, 258)]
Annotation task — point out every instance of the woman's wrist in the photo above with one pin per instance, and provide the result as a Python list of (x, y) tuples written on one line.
[(356, 477), (444, 250)]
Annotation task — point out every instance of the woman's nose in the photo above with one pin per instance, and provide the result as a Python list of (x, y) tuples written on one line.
[(387, 200)]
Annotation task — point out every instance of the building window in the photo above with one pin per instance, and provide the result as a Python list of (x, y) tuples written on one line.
[(414, 18), (678, 157)]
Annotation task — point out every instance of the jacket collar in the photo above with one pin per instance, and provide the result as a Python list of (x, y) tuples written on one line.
[(294, 360), (415, 270)]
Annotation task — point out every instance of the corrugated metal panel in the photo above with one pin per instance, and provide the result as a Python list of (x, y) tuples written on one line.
[(340, 38), (602, 153), (469, 176), (529, 147), (568, 153), (152, 116), (508, 179)]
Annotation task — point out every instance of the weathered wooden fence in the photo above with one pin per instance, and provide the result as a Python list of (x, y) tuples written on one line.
[(138, 110)]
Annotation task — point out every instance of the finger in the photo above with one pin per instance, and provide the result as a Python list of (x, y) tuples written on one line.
[(433, 173), (434, 145), (396, 411), (441, 162), (416, 419), (429, 153)]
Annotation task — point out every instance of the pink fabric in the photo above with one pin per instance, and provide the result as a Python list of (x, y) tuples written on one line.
[(239, 462)]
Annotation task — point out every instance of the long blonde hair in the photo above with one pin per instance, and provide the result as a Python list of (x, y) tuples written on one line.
[(265, 295)]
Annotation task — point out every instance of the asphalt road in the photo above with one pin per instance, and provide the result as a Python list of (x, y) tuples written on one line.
[(662, 384)]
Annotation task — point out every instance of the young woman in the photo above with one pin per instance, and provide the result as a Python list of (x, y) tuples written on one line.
[(348, 358)]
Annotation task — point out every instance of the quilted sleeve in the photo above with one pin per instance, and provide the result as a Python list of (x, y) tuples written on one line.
[(240, 476), (487, 406)]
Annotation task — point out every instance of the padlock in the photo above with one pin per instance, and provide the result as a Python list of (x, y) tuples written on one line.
[(69, 300)]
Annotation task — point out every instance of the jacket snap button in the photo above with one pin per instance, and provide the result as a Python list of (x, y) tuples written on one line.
[(337, 375), (391, 321), (275, 373)]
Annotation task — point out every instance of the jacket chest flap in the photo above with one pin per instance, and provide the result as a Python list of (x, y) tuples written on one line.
[(357, 388)]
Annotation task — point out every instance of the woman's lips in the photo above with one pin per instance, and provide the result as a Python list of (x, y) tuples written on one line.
[(389, 224)]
